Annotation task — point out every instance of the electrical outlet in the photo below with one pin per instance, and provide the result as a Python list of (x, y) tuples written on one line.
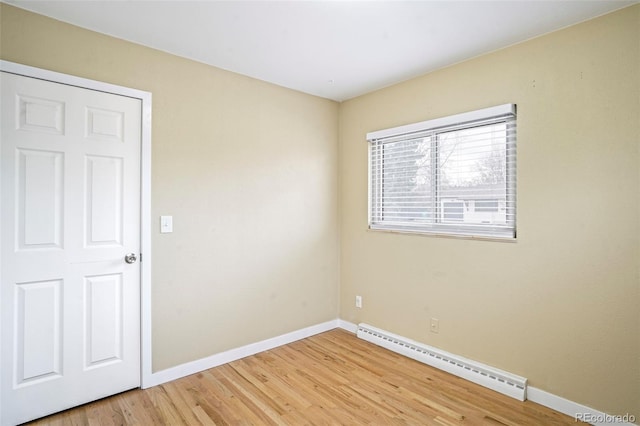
[(435, 325), (358, 301)]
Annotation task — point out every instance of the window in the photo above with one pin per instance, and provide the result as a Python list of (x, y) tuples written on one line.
[(452, 211), (486, 205), (454, 175)]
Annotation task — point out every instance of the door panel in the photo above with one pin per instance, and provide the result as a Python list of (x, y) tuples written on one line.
[(38, 331), (104, 125), (103, 319), (40, 115), (104, 195), (70, 210), (39, 191)]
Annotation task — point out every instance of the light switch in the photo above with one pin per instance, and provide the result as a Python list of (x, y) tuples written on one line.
[(166, 224)]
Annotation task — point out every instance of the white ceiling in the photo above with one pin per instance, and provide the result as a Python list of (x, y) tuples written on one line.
[(333, 49)]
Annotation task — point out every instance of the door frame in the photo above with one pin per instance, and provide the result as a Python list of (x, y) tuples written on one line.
[(145, 193)]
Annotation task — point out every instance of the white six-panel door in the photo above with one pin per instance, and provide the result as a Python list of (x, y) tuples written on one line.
[(70, 212)]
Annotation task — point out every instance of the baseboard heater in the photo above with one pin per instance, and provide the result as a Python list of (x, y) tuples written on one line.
[(483, 375)]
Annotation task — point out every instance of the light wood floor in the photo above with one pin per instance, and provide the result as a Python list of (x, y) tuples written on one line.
[(329, 379)]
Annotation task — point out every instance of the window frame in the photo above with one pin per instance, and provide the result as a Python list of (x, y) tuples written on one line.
[(503, 113)]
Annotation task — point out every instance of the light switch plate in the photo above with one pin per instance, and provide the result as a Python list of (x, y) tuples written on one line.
[(166, 224)]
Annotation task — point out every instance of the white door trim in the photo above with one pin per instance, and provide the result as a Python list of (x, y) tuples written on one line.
[(145, 192)]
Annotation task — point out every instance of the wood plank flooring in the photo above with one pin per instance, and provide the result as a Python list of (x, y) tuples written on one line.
[(329, 379)]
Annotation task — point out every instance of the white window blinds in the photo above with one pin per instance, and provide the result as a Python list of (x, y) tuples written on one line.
[(454, 175)]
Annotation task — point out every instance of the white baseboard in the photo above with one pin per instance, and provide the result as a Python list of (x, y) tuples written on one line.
[(575, 410), (199, 365), (349, 326)]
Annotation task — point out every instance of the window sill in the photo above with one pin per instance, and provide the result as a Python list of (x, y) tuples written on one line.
[(444, 235)]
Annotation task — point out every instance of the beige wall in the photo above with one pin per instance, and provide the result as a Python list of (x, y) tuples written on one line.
[(247, 169), (561, 306)]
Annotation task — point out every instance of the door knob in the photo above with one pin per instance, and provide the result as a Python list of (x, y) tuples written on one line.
[(130, 258)]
